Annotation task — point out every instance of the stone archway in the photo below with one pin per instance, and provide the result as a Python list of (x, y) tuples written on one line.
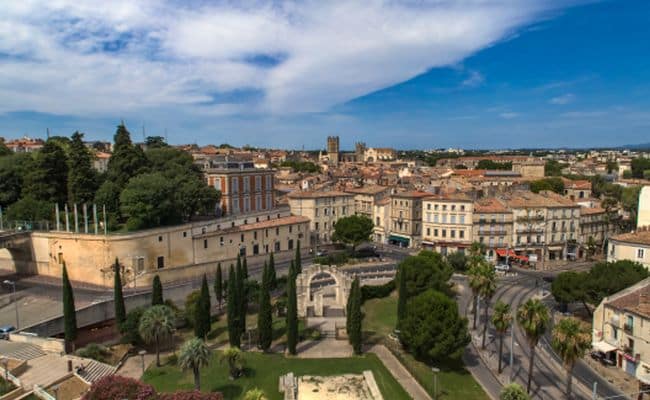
[(307, 300)]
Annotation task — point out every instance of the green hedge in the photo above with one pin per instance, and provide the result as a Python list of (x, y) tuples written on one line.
[(377, 292)]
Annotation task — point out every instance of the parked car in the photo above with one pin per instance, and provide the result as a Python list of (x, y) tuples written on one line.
[(602, 358), (502, 267), (5, 330)]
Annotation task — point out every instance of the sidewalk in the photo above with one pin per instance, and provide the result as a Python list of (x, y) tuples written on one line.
[(132, 367), (400, 373)]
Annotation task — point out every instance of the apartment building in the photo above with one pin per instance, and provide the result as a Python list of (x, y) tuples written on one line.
[(562, 227), (597, 224), (366, 197), (381, 219), (323, 210), (634, 246), (243, 187), (447, 222), (406, 218), (620, 330), (493, 224)]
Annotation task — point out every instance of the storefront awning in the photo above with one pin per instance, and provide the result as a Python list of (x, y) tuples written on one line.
[(398, 239), (603, 346), (503, 252)]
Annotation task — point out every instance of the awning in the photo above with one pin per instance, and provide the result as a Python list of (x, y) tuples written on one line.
[(603, 346), (502, 253), (398, 239)]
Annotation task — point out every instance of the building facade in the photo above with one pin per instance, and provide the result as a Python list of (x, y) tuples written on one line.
[(493, 224), (366, 197), (634, 246), (333, 149), (323, 210), (447, 222), (406, 218)]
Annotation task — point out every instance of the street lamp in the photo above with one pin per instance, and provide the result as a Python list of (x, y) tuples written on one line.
[(141, 353), (435, 382), (13, 285)]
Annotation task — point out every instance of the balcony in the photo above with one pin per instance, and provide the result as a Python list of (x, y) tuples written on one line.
[(530, 230), (532, 218), (628, 328)]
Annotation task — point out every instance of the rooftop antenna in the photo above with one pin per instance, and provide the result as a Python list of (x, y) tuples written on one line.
[(48, 133)]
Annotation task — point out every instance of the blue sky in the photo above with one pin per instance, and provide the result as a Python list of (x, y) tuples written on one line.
[(472, 74)]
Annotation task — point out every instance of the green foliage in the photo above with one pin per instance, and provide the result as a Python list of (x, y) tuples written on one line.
[(513, 391), (48, 179), (191, 304), (377, 291), (292, 312), (202, 311), (265, 314), (639, 166), (533, 318), (493, 165), (242, 296), (338, 258), (234, 332), (352, 230), (427, 270), (4, 150), (148, 201), (432, 329), (273, 279), (156, 324), (569, 287), (235, 360), (458, 261), (30, 209), (301, 166), (108, 195), (69, 312), (298, 258), (118, 296), (502, 320), (571, 340), (218, 285), (155, 142), (553, 184), (130, 327), (82, 179), (630, 201), (13, 170), (402, 298), (255, 394), (126, 161), (194, 354), (355, 317), (552, 168), (607, 278), (95, 351), (157, 292)]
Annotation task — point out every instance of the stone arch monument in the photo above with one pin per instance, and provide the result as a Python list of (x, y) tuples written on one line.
[(307, 299)]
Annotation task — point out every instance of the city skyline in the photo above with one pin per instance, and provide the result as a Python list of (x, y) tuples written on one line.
[(508, 75)]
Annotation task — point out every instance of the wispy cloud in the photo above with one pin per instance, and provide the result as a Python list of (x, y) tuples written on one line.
[(97, 57), (508, 115), (563, 99), (583, 114), (474, 79)]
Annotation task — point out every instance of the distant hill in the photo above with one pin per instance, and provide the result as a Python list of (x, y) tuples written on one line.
[(636, 146)]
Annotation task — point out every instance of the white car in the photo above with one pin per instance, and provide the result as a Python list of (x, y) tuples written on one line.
[(502, 267)]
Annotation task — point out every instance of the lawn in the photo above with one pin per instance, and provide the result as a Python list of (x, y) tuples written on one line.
[(454, 381), (264, 370)]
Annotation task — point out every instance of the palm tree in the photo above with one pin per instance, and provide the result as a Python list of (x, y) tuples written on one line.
[(486, 290), (255, 394), (571, 340), (156, 324), (533, 318), (474, 283), (501, 319), (233, 356), (194, 354)]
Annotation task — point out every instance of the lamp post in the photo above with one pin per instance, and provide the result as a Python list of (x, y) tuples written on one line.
[(13, 285), (141, 353), (435, 382)]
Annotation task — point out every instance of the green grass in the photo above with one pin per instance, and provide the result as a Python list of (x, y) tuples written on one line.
[(454, 381), (264, 370), (5, 387)]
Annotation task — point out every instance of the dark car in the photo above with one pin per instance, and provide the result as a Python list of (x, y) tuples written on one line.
[(5, 330)]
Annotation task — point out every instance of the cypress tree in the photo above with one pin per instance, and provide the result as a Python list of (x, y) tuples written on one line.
[(242, 301), (69, 312), (234, 334), (401, 299), (118, 296), (202, 312), (354, 318), (218, 286), (157, 292), (348, 306), (273, 282), (292, 311), (298, 258), (265, 316), (82, 182), (245, 268)]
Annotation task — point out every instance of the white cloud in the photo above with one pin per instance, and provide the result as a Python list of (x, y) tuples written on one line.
[(508, 115), (563, 99), (171, 54), (474, 79)]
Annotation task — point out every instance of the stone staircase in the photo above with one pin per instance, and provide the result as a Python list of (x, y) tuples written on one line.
[(94, 371), (20, 351)]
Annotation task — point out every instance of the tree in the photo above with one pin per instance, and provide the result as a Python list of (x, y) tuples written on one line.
[(486, 289), (265, 314), (202, 311), (255, 394), (481, 278), (553, 184), (493, 165), (427, 270), (552, 168), (148, 201), (513, 391), (69, 312), (533, 318), (234, 333), (402, 298), (108, 195), (639, 166), (458, 261), (119, 387), (48, 179), (191, 304), (118, 296), (502, 320), (432, 329), (13, 171), (607, 278), (235, 360), (30, 209), (82, 180), (571, 340), (157, 292), (242, 298), (131, 327), (126, 161), (4, 150), (273, 279), (354, 317), (244, 268), (292, 312), (569, 287), (156, 324), (153, 142), (194, 354), (353, 230), (298, 258), (218, 286)]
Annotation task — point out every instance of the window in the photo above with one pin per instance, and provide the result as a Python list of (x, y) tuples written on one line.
[(452, 219), (256, 248), (258, 202), (277, 231), (242, 251), (639, 253), (258, 183), (205, 243), (184, 234), (255, 235), (435, 233), (444, 207), (160, 238), (452, 233), (161, 262), (234, 183), (221, 241), (316, 226), (444, 218), (461, 234), (269, 201), (444, 233), (242, 238), (235, 205), (428, 231), (462, 219), (481, 239), (377, 221), (435, 207), (277, 246), (268, 182), (290, 244), (435, 218), (453, 207), (290, 228), (247, 204), (428, 206), (462, 208), (246, 184)]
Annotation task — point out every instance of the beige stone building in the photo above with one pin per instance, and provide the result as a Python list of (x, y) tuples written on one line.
[(493, 225), (597, 224), (643, 218), (406, 218), (381, 219), (366, 197), (447, 222), (323, 209), (577, 189), (175, 253), (620, 330), (634, 246)]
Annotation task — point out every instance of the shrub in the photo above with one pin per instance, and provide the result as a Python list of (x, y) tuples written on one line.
[(193, 395), (377, 292), (130, 333), (172, 359), (191, 303), (118, 387), (95, 351)]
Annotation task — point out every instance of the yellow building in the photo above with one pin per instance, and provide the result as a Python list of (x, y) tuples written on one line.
[(447, 222), (406, 218), (634, 246), (366, 197), (493, 227), (323, 209)]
